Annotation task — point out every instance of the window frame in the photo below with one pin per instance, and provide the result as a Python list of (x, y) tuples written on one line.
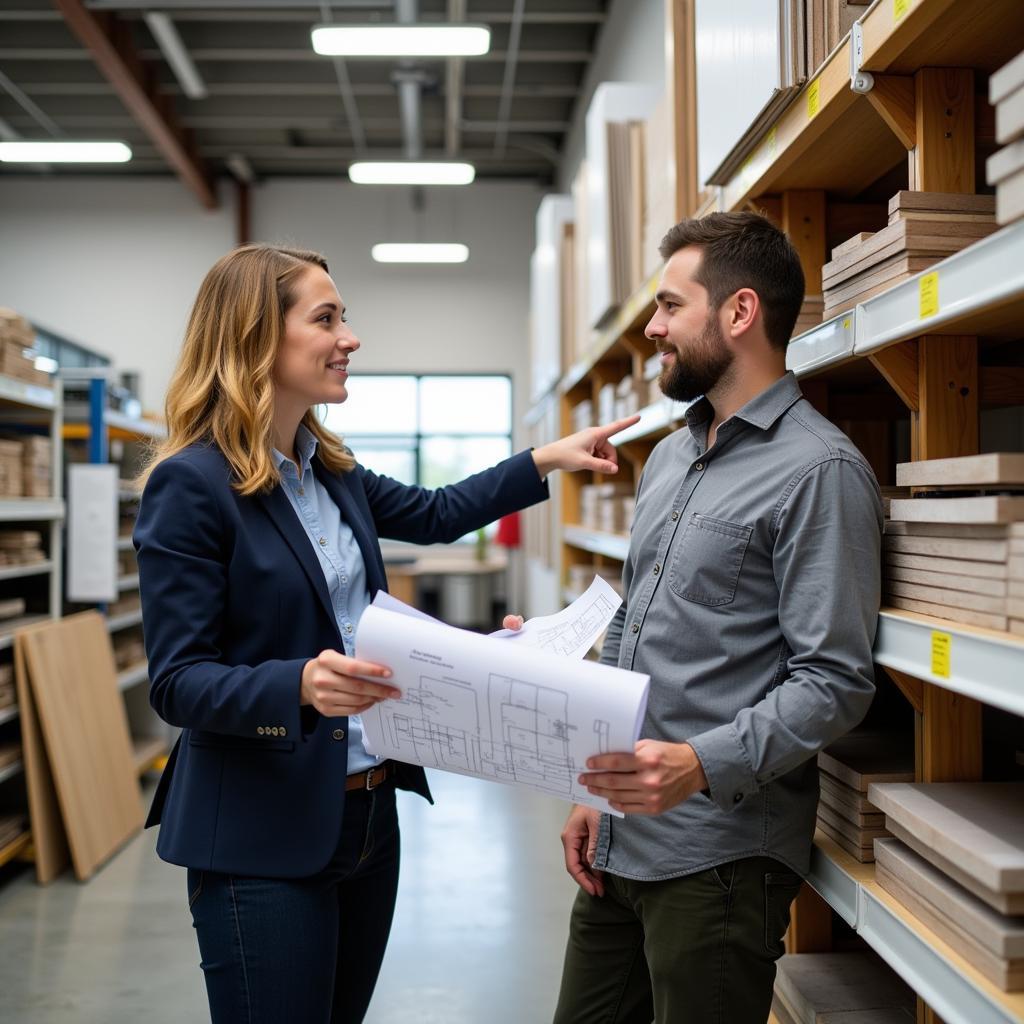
[(417, 437)]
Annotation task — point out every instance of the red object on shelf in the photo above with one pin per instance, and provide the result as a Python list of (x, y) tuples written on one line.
[(508, 535)]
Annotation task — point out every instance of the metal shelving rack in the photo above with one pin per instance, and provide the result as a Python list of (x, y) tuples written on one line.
[(24, 404), (842, 142)]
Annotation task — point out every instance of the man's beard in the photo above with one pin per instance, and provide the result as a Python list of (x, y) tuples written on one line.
[(697, 370)]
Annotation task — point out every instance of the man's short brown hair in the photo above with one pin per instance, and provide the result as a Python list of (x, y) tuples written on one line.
[(745, 250)]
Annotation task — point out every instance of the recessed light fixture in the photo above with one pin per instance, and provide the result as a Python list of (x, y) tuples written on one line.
[(420, 252), (411, 172), (401, 40), (61, 152)]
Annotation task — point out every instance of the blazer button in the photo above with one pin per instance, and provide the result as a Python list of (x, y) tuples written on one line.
[(260, 730), (338, 734)]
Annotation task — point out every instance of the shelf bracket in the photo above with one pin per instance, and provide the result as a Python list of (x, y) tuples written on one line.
[(898, 364), (860, 81), (893, 97)]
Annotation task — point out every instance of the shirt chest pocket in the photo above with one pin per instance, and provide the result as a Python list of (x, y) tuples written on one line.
[(707, 559)]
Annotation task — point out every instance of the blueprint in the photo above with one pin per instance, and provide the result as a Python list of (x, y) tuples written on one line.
[(574, 630), (507, 712)]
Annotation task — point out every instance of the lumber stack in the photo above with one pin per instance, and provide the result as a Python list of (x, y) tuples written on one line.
[(607, 507), (846, 770), (815, 988), (21, 547), (8, 694), (923, 228), (956, 549), (1005, 169), (957, 864), (17, 339)]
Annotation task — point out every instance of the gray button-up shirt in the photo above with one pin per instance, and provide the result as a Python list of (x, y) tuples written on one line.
[(752, 594)]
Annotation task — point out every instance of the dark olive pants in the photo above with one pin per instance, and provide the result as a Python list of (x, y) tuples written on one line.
[(694, 950)]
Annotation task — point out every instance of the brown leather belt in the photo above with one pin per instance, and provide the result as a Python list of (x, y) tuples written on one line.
[(371, 778)]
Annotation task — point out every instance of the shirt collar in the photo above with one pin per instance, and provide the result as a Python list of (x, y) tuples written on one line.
[(761, 411), (305, 448)]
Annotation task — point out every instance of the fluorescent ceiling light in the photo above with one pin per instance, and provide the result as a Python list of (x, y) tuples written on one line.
[(420, 252), (411, 172), (56, 152), (171, 46), (401, 40)]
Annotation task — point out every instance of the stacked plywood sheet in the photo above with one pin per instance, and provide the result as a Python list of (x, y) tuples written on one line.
[(816, 988), (8, 696), (17, 338), (992, 942), (846, 770), (967, 880), (1006, 168), (21, 547), (11, 826), (923, 228), (956, 549)]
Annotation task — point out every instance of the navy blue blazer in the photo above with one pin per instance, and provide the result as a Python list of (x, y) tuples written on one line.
[(234, 604)]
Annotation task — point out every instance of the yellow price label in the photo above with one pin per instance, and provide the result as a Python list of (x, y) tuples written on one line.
[(899, 8), (813, 98), (846, 324), (929, 294), (941, 644)]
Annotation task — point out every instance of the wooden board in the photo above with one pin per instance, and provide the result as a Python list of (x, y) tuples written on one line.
[(977, 825), (859, 819), (855, 833), (1001, 935), (968, 549), (49, 839), (844, 796), (955, 599), (949, 566), (968, 471), (991, 531), (942, 202), (976, 585), (865, 855), (967, 616), (814, 985), (1006, 974), (861, 758), (74, 681), (986, 509)]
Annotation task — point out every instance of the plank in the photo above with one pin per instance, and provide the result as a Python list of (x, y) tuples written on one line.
[(975, 531), (861, 758), (993, 551), (1006, 974), (1001, 935), (949, 566), (865, 855), (816, 984), (967, 616), (845, 796), (851, 244), (52, 855), (982, 510), (74, 681), (941, 202), (954, 599), (978, 585), (976, 824), (965, 471), (862, 836)]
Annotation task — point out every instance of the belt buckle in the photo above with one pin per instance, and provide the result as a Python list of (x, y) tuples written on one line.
[(370, 784)]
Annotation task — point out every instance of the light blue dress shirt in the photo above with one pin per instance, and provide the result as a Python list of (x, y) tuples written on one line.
[(340, 559)]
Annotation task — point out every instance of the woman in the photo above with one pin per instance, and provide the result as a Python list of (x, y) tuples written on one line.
[(258, 550)]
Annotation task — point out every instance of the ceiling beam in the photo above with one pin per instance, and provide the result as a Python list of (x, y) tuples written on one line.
[(109, 41), (453, 84), (509, 77)]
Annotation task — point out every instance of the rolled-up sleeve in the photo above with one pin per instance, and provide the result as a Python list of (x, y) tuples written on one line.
[(827, 567)]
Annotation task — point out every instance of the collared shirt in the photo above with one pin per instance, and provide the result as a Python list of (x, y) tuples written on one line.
[(340, 559), (753, 587)]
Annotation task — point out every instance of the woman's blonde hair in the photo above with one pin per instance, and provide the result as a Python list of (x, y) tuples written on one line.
[(222, 390)]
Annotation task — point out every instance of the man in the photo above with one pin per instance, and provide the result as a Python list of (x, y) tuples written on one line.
[(752, 592)]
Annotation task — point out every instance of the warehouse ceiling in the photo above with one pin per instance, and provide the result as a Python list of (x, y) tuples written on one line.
[(89, 69)]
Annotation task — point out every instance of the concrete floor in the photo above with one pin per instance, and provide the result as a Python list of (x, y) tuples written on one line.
[(479, 930)]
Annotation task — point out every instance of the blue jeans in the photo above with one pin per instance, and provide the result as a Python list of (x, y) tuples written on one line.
[(306, 950)]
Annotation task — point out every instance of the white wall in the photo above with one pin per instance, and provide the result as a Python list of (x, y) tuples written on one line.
[(630, 48), (115, 265)]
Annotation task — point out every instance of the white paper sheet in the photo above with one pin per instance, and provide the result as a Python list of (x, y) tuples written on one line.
[(572, 631), (501, 711)]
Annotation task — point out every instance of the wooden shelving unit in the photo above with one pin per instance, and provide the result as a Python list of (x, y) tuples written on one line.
[(932, 366)]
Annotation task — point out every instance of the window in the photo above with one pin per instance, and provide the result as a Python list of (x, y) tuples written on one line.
[(426, 429)]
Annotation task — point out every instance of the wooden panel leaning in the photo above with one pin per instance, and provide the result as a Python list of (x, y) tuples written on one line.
[(73, 681)]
